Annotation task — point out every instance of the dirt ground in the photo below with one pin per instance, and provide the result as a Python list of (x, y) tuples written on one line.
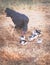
[(12, 52)]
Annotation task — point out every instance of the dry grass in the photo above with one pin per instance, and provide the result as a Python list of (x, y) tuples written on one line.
[(11, 51)]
